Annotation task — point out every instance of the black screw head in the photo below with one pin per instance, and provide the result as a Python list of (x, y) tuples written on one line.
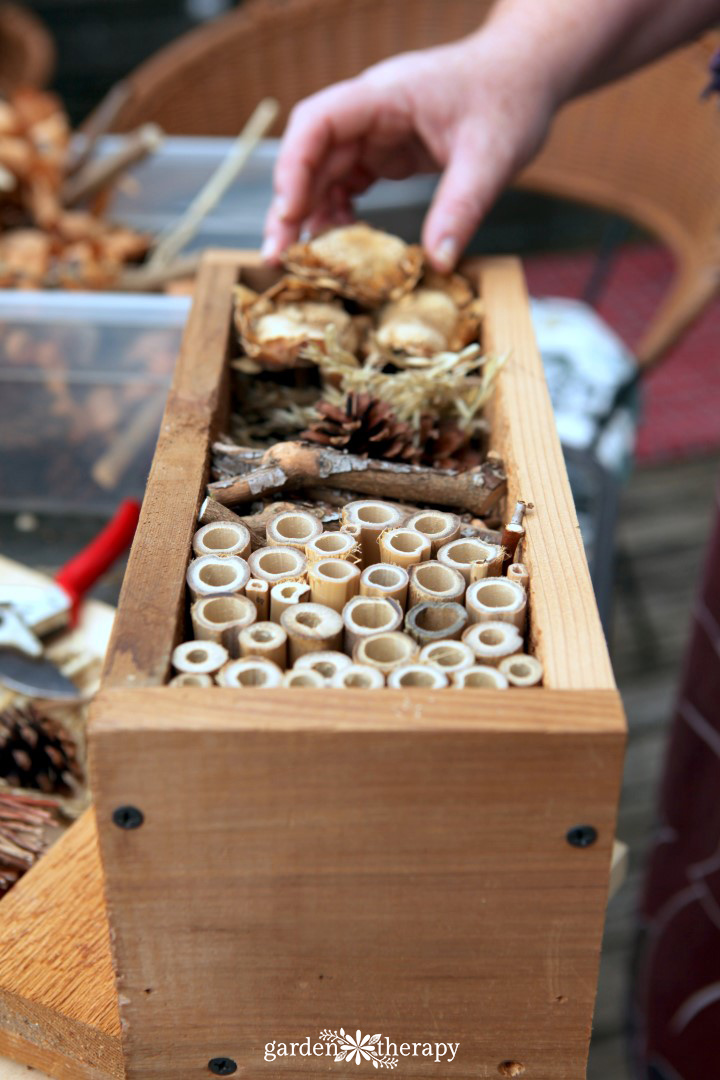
[(222, 1066), (128, 817), (581, 835)]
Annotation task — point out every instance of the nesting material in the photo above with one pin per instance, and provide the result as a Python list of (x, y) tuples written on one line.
[(265, 641), (222, 538), (220, 618), (365, 615), (199, 657), (285, 594), (464, 553), (333, 582), (428, 622), (251, 673), (448, 656), (279, 562), (497, 600), (492, 642), (436, 582), (303, 677), (331, 545), (215, 575), (438, 526), (480, 677), (373, 517), (403, 547), (258, 591), (413, 676), (386, 651), (385, 580), (295, 528), (326, 664), (358, 677), (522, 670), (519, 572), (187, 679), (311, 628)]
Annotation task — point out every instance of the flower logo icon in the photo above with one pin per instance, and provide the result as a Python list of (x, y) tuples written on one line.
[(358, 1049)]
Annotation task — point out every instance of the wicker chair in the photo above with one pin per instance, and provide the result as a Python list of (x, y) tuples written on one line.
[(27, 53), (645, 148)]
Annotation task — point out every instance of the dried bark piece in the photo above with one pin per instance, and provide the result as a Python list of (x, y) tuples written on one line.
[(359, 262)]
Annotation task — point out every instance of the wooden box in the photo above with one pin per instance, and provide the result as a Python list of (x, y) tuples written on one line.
[(392, 862)]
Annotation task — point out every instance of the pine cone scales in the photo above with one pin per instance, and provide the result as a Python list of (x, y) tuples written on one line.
[(366, 426), (36, 751)]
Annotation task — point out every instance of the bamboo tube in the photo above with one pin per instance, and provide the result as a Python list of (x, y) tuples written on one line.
[(285, 594), (352, 529), (265, 641), (359, 677), (373, 517), (479, 676), (436, 582), (410, 676), (187, 679), (403, 547), (497, 600), (385, 579), (462, 554), (278, 563), (294, 528), (327, 664), (491, 566), (250, 672), (365, 615), (311, 628), (222, 538), (303, 677), (331, 545), (220, 618), (449, 656), (439, 526), (212, 510), (259, 592), (213, 575), (493, 641), (518, 572), (513, 533), (385, 651), (428, 622), (199, 657), (522, 670), (333, 582)]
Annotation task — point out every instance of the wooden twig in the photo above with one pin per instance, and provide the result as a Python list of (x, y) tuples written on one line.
[(174, 241), (294, 464), (100, 122), (99, 173), (151, 278)]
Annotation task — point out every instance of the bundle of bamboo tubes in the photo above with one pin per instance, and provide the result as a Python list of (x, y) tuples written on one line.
[(388, 598)]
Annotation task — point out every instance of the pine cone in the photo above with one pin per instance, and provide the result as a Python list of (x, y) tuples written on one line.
[(446, 446), (24, 824), (366, 426), (36, 751)]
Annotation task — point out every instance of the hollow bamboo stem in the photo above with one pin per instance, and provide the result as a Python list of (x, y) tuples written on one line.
[(435, 582), (199, 657), (403, 547), (250, 672), (372, 517), (331, 545), (479, 677), (213, 575), (413, 676), (497, 600), (300, 677), (222, 538), (449, 656), (294, 528), (278, 563), (311, 628), (519, 572), (385, 580), (440, 527), (285, 594), (358, 677), (429, 622), (266, 641), (220, 618), (258, 591), (188, 679), (385, 651), (366, 615), (333, 582), (491, 642), (463, 554), (327, 664), (522, 670)]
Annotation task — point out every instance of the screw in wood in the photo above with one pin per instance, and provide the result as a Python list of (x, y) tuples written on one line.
[(128, 817), (222, 1066), (581, 835)]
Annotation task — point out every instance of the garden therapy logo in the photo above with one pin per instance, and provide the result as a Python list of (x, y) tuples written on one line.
[(378, 1049)]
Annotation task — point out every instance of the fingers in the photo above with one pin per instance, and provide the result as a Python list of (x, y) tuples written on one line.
[(338, 116), (466, 189)]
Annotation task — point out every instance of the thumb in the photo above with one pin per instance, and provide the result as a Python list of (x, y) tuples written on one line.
[(466, 190)]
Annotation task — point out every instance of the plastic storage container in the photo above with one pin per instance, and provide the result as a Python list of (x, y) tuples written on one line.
[(162, 187), (83, 381)]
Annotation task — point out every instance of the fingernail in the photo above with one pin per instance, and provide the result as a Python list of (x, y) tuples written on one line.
[(280, 206), (270, 249), (446, 252)]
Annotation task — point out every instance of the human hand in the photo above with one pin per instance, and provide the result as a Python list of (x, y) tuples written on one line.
[(464, 109)]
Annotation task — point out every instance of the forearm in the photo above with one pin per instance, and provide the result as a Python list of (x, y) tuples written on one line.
[(576, 45)]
